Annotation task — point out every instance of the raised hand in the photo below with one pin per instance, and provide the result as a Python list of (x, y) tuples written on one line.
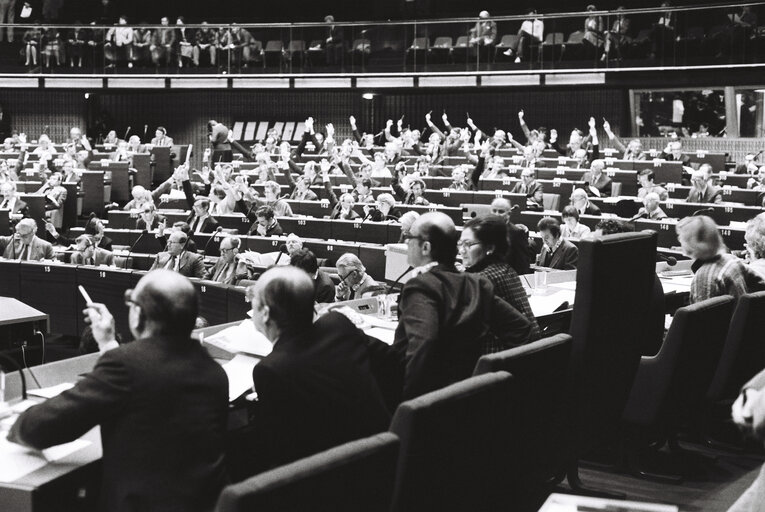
[(353, 122), (591, 123), (325, 166), (445, 118), (520, 115), (606, 126), (388, 124), (427, 118)]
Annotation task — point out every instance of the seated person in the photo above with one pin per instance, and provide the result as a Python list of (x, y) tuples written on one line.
[(271, 193), (294, 243), (316, 389), (93, 227), (582, 204), (646, 178), (342, 208), (25, 245), (385, 209), (557, 253), (411, 194), (86, 253), (749, 166), (407, 220), (532, 188), (324, 288), (200, 220), (755, 243), (674, 153), (459, 179), (228, 270), (632, 151), (11, 200), (176, 257), (598, 183), (757, 182), (716, 272), (571, 227), (181, 226), (354, 280), (650, 208), (149, 218), (266, 224), (55, 196), (702, 191)]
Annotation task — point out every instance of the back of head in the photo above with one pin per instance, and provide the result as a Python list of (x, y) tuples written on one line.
[(304, 259), (611, 226), (549, 224), (168, 303), (490, 230), (700, 237), (438, 229), (288, 292)]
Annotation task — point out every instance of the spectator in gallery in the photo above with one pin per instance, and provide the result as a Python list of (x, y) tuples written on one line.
[(333, 43), (530, 33), (618, 37), (162, 43), (484, 36)]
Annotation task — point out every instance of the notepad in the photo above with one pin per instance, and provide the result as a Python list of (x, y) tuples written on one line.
[(239, 373), (19, 460), (241, 339)]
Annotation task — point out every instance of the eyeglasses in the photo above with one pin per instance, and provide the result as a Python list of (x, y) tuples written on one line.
[(222, 250), (409, 236), (466, 244)]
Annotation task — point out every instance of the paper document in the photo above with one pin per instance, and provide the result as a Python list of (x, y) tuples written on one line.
[(382, 334), (19, 460), (239, 373), (242, 338), (51, 391), (542, 305)]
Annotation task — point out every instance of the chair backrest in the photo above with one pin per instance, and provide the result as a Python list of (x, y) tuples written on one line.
[(509, 40), (551, 201), (616, 189), (455, 446), (673, 382), (614, 282), (354, 476), (539, 376), (296, 46), (462, 41), (575, 37), (554, 38), (274, 46), (420, 43), (442, 42), (743, 355)]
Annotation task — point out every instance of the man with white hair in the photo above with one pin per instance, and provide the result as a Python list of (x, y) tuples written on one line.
[(484, 36), (532, 188), (702, 191), (24, 245), (354, 280), (599, 183), (580, 201), (650, 209)]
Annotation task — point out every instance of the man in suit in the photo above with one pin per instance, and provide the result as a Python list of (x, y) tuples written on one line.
[(557, 252), (702, 191), (86, 253), (580, 201), (25, 245), (161, 140), (305, 259), (532, 188), (650, 208), (316, 389), (600, 184), (354, 280), (177, 258), (520, 254), (200, 219), (266, 223), (228, 270), (445, 316), (161, 402), (11, 200)]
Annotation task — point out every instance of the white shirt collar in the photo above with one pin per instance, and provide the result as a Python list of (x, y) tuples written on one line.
[(423, 268)]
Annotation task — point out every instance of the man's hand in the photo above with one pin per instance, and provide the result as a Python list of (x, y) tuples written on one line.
[(352, 120), (388, 124), (261, 230), (101, 323), (330, 130), (509, 135), (427, 119), (470, 123), (50, 228), (445, 118), (520, 116), (607, 126), (342, 291), (325, 166), (591, 123), (553, 135), (741, 411)]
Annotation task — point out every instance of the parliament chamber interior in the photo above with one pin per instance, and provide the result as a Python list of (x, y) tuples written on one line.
[(395, 257)]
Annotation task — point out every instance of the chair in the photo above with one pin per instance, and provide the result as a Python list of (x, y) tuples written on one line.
[(315, 53), (354, 476), (360, 51), (670, 387), (551, 47), (461, 50), (274, 50), (743, 355), (295, 49), (418, 51), (508, 41), (455, 447), (616, 189), (640, 47), (551, 201), (606, 325), (573, 49), (538, 370), (441, 50)]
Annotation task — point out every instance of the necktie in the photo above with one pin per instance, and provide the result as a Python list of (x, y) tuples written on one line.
[(5, 204), (197, 223), (170, 263), (24, 253)]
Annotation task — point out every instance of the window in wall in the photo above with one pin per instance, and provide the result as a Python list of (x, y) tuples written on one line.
[(697, 113)]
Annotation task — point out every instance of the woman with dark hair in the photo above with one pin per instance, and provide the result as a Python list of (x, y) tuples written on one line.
[(483, 247)]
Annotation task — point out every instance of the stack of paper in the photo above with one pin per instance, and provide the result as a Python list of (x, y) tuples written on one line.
[(242, 338)]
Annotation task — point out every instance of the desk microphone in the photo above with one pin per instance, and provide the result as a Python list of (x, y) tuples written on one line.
[(643, 215), (16, 366), (398, 279), (126, 132), (127, 258), (704, 211), (670, 260), (282, 250), (219, 229)]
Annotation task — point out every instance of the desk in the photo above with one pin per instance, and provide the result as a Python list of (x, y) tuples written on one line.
[(213, 301), (52, 289)]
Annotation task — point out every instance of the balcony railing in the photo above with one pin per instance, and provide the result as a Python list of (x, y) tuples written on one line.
[(603, 40)]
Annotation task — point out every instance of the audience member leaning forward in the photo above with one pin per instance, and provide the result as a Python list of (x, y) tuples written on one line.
[(161, 402)]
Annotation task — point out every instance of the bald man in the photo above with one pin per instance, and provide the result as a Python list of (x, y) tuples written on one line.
[(177, 258), (446, 317), (315, 389), (520, 255), (161, 402)]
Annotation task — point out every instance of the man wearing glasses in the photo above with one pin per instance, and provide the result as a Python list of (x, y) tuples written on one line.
[(445, 316), (86, 253), (228, 270), (354, 280), (161, 402), (25, 245), (178, 259), (520, 255)]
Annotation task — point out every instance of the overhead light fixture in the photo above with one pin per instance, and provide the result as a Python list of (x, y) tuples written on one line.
[(368, 96)]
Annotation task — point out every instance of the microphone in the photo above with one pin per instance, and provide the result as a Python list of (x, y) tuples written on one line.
[(704, 211), (398, 279), (670, 260), (643, 215), (219, 229), (145, 131), (126, 133), (127, 258), (282, 250), (16, 366)]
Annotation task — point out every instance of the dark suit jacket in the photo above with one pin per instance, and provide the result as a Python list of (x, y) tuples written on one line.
[(711, 194), (591, 209), (445, 318), (325, 288), (163, 407), (315, 391), (603, 183), (520, 255), (209, 225), (564, 258), (192, 265), (38, 249), (100, 257)]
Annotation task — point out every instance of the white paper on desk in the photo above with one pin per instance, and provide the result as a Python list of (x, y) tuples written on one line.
[(19, 460), (51, 391), (542, 305), (382, 334), (568, 285), (239, 373), (242, 338)]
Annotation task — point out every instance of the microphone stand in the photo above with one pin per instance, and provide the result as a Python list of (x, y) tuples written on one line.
[(130, 251), (18, 367)]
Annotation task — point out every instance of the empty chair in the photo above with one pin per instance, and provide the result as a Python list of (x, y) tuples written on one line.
[(455, 447), (551, 201), (295, 52), (354, 476), (640, 47), (418, 51), (461, 50), (360, 51), (552, 46), (273, 52), (574, 47), (539, 374), (670, 387), (441, 49)]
